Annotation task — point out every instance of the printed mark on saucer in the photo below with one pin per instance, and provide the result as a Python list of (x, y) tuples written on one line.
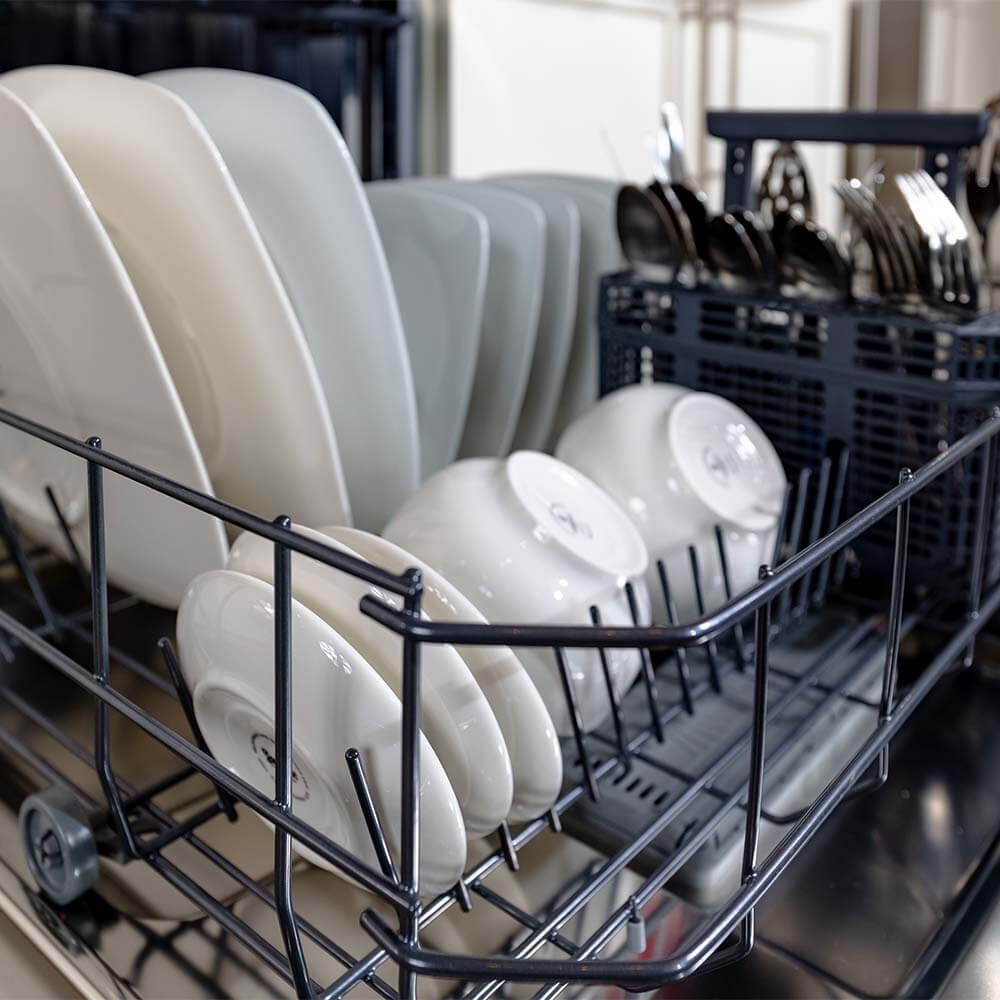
[(564, 517), (716, 465), (263, 748)]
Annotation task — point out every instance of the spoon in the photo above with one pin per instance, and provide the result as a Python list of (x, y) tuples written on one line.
[(760, 238), (811, 255), (672, 173), (732, 251), (682, 225), (646, 233)]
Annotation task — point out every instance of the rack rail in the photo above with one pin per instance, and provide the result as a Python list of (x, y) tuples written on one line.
[(130, 824)]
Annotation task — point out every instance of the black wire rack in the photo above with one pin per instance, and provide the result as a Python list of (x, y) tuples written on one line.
[(812, 557)]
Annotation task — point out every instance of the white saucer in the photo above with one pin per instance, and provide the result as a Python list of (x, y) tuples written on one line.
[(225, 634), (532, 743), (456, 717)]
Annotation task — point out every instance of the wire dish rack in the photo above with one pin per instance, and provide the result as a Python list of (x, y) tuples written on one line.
[(687, 667)]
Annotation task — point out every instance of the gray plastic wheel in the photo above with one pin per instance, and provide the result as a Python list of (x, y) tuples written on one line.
[(58, 844)]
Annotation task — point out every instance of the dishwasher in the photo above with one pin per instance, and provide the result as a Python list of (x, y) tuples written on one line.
[(798, 797)]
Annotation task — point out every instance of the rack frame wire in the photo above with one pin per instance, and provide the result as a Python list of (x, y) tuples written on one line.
[(143, 829)]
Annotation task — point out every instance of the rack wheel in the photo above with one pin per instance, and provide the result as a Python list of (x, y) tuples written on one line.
[(58, 844)]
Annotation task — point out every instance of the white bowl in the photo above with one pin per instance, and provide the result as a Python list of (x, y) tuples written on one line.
[(680, 463), (455, 716), (529, 540), (532, 743)]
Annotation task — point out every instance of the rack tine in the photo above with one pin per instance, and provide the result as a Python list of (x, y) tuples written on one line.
[(616, 708), (409, 919), (462, 895), (187, 705), (680, 653), (507, 845), (649, 679), (74, 551), (552, 818), (102, 656), (574, 717), (362, 789), (983, 509), (794, 536), (815, 527), (283, 762), (738, 643), (755, 784), (710, 646), (891, 670), (833, 519), (27, 571)]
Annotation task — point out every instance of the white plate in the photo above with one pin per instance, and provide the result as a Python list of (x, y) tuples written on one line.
[(532, 743), (438, 251), (600, 254), (78, 355), (220, 314), (510, 320), (293, 168), (225, 635), (558, 316), (456, 717)]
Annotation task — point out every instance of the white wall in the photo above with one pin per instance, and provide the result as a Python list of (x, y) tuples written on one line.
[(960, 67), (574, 85)]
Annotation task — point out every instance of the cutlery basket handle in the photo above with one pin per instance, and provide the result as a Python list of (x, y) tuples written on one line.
[(942, 136)]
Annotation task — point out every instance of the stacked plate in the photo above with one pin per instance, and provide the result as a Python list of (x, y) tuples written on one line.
[(193, 271), (236, 310)]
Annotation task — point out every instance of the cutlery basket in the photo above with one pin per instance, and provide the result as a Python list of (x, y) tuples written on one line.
[(895, 389)]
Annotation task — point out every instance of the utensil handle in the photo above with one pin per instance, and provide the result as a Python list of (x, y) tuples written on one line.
[(942, 136)]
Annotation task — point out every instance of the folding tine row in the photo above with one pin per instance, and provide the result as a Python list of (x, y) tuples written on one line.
[(810, 556)]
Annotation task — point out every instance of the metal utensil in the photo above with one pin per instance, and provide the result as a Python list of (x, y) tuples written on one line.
[(671, 141), (941, 281), (885, 271), (760, 238), (732, 251), (906, 272), (695, 206), (672, 174), (982, 197), (811, 256), (647, 234), (682, 224), (956, 239), (784, 186)]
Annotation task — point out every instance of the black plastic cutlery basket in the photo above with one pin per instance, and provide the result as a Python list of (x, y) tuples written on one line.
[(895, 388)]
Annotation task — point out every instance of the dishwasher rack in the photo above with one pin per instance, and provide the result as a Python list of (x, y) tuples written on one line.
[(129, 824)]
